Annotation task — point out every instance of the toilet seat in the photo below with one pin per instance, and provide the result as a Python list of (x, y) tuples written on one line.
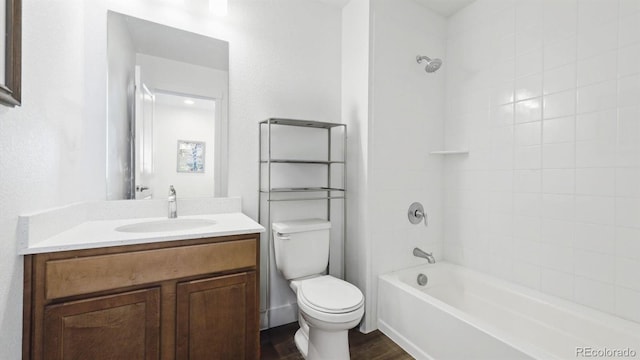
[(330, 299)]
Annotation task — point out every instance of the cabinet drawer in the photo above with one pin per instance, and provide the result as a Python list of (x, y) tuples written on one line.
[(75, 276)]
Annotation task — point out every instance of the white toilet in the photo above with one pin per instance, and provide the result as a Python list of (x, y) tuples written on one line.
[(328, 307)]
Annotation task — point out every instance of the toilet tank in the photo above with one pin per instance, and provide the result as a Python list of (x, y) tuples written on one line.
[(301, 247)]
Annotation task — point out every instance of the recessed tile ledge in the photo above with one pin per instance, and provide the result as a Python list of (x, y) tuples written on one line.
[(90, 225)]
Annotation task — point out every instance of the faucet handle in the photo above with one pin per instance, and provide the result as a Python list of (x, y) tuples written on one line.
[(416, 214)]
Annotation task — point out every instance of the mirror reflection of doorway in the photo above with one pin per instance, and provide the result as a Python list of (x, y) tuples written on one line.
[(146, 59), (169, 120)]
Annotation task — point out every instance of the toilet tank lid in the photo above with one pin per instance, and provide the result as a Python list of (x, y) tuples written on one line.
[(294, 226)]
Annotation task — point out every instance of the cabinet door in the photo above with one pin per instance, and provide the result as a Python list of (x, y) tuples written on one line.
[(122, 326), (217, 318)]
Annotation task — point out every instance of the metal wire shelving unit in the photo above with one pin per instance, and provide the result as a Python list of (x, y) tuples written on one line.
[(269, 194)]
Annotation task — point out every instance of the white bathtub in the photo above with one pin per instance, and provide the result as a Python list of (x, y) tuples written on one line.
[(463, 314)]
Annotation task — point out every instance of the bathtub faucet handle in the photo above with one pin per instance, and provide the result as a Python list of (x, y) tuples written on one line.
[(417, 214)]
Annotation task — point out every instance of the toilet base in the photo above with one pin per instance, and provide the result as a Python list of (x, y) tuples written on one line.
[(326, 345), (302, 342)]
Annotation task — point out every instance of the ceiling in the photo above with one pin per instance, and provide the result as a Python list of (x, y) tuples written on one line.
[(445, 8), (175, 44), (178, 100)]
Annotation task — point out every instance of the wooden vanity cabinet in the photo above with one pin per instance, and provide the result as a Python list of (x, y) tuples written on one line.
[(188, 299)]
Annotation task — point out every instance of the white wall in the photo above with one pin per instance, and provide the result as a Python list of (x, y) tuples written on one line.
[(406, 123), (355, 113), (171, 123), (53, 147), (546, 96), (121, 63)]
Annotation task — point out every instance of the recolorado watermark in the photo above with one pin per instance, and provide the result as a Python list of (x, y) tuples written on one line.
[(590, 352)]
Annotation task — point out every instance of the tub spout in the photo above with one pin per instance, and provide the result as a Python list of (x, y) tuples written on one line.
[(419, 253)]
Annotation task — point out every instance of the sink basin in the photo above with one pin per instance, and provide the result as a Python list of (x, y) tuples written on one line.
[(165, 225)]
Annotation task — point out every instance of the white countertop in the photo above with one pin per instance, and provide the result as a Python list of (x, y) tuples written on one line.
[(92, 225), (96, 234)]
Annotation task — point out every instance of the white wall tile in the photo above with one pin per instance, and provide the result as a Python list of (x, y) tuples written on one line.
[(558, 232), (596, 294), (559, 104), (628, 7), (627, 212), (526, 274), (629, 59), (528, 157), (528, 133), (526, 251), (595, 209), (559, 78), (595, 181), (584, 265), (528, 110), (503, 115), (556, 257), (556, 283), (560, 207), (597, 97), (594, 40), (559, 130), (529, 63), (558, 181), (595, 237), (502, 92), (629, 29), (559, 51), (595, 154), (627, 271), (629, 90), (558, 156), (526, 204), (628, 242), (504, 70), (502, 157), (527, 228), (600, 126), (627, 301), (561, 194), (594, 12), (628, 182), (528, 87), (559, 18), (597, 68), (529, 16), (528, 181)]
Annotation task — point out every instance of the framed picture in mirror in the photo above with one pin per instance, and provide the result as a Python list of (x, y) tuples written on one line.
[(191, 156), (10, 52)]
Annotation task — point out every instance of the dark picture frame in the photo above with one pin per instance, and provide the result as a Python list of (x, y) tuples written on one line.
[(11, 30)]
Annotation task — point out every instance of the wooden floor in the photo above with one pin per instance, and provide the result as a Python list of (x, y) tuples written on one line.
[(277, 343)]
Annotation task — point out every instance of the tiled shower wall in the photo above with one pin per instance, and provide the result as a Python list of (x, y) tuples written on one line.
[(546, 96)]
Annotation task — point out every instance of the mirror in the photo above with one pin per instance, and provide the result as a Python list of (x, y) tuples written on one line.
[(167, 111)]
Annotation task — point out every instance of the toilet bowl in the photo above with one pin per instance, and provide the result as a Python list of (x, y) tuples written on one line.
[(327, 306)]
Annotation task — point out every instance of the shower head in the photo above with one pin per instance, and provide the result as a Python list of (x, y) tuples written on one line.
[(432, 64)]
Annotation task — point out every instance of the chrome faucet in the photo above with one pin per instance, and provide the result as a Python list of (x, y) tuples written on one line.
[(173, 205), (419, 253)]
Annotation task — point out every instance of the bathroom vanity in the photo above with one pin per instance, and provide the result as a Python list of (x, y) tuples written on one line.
[(178, 294)]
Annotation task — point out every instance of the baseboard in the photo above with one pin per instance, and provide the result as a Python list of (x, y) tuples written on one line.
[(402, 341), (280, 315)]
